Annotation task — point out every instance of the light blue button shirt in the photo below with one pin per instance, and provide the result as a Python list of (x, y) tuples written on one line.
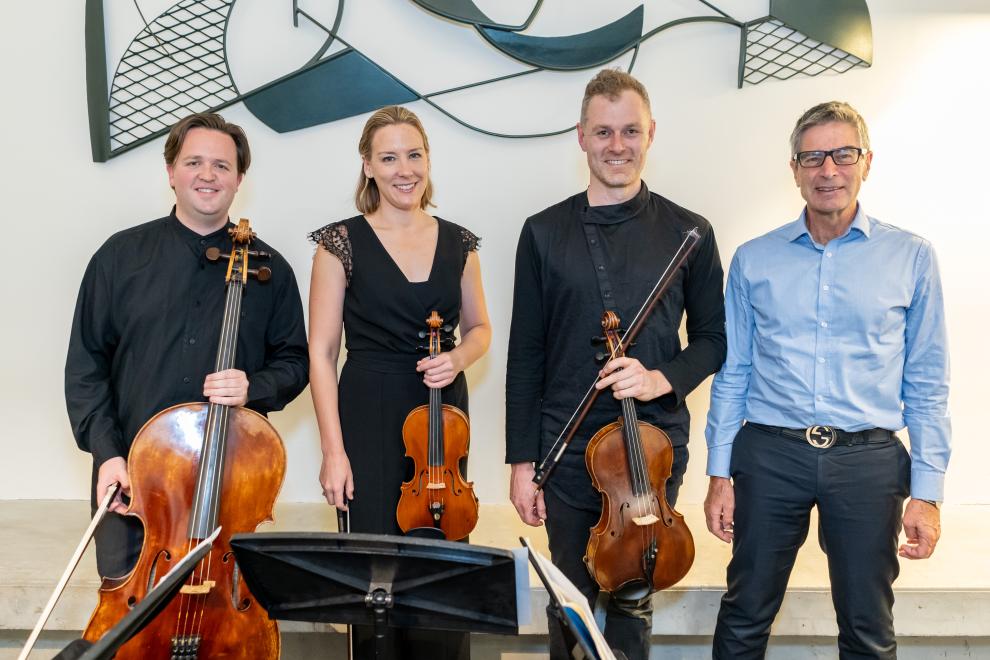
[(850, 334)]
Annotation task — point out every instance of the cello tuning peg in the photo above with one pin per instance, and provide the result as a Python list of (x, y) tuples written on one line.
[(597, 341), (214, 253), (259, 254), (263, 274)]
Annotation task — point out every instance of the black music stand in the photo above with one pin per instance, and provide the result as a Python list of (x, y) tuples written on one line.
[(143, 613), (380, 580)]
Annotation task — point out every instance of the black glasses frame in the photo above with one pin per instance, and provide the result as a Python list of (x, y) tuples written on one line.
[(827, 154)]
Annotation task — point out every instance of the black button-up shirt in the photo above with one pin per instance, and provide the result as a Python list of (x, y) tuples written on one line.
[(557, 309), (147, 326)]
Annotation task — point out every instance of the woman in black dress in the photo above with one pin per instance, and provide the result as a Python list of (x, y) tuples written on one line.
[(377, 276)]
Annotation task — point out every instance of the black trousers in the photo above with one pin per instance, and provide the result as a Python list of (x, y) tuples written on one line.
[(628, 621), (859, 491)]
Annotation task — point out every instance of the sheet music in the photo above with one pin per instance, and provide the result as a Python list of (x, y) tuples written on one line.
[(573, 603)]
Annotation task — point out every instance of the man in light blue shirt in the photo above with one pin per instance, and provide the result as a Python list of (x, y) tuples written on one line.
[(836, 339)]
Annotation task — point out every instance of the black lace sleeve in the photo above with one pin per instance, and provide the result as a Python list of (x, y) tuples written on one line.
[(333, 238), (470, 242)]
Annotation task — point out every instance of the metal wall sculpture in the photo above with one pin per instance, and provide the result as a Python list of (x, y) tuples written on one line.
[(178, 63)]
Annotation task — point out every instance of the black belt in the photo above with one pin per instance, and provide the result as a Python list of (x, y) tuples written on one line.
[(824, 437)]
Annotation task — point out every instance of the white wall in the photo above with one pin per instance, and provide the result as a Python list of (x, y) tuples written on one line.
[(719, 150)]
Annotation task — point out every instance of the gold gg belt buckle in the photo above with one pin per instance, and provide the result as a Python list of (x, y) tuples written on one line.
[(821, 437)]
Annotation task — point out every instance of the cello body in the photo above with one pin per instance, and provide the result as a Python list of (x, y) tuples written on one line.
[(226, 621), (194, 467)]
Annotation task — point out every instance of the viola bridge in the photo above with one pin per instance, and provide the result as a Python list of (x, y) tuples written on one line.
[(648, 519)]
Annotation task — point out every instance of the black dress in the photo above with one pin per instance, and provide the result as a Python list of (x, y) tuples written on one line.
[(379, 385)]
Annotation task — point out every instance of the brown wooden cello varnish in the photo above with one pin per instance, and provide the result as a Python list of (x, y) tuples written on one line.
[(193, 467), (639, 542), (437, 437)]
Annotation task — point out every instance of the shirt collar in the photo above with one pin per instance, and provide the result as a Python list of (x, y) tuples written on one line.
[(799, 227), (615, 213), (192, 238)]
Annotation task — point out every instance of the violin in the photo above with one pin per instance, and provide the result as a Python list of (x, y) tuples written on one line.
[(639, 541), (194, 467), (436, 437)]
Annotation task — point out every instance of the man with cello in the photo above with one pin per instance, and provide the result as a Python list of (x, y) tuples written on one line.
[(603, 250), (147, 323)]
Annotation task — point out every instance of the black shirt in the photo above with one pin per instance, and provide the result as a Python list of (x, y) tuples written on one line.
[(557, 308), (147, 327)]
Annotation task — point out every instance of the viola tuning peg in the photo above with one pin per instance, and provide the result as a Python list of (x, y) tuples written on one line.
[(448, 328), (601, 358), (597, 341), (421, 334), (260, 254)]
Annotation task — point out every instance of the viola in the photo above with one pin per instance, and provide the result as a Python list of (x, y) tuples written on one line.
[(194, 467), (437, 437), (639, 542)]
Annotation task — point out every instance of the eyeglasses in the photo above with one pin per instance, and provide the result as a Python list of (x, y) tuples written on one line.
[(840, 156)]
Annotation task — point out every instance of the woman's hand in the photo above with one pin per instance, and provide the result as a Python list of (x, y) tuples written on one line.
[(337, 480), (440, 371)]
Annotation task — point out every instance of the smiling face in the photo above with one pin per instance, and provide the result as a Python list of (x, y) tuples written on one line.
[(830, 190), (400, 166), (205, 179), (615, 135)]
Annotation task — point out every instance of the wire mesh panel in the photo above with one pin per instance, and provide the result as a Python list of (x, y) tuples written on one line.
[(775, 50), (173, 67)]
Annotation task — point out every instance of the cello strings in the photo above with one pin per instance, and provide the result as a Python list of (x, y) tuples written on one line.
[(227, 353)]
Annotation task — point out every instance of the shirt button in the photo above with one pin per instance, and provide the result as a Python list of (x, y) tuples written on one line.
[(825, 287), (828, 254), (601, 267), (192, 340), (606, 294), (594, 241), (202, 241), (819, 397), (824, 324), (821, 360), (186, 379)]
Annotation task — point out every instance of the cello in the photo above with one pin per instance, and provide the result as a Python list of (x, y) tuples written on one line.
[(193, 467), (639, 541), (436, 437)]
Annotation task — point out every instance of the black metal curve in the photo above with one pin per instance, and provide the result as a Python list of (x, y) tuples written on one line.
[(467, 12)]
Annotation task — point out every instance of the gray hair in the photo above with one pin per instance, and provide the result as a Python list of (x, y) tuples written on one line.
[(824, 113)]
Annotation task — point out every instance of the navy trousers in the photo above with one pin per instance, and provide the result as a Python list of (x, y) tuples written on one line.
[(859, 491)]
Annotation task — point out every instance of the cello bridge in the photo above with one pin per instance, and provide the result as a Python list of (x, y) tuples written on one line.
[(198, 589)]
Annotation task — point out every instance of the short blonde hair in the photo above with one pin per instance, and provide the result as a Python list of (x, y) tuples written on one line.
[(610, 83), (367, 198)]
